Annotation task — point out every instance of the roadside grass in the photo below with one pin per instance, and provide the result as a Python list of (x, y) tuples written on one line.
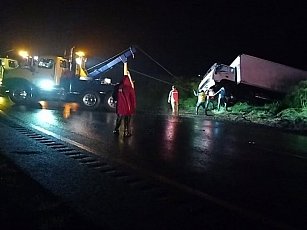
[(269, 115)]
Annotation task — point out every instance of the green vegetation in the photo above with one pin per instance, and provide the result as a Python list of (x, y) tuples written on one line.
[(187, 98), (297, 98), (290, 113)]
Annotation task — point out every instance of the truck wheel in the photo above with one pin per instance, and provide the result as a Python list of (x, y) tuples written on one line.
[(19, 95), (109, 103), (90, 100)]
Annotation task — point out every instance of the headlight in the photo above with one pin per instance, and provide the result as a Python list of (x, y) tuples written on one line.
[(46, 84)]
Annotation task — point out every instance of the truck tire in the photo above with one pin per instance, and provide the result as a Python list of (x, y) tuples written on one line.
[(19, 95), (108, 103), (90, 100)]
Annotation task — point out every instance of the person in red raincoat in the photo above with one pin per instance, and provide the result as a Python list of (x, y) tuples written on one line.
[(173, 99), (126, 104)]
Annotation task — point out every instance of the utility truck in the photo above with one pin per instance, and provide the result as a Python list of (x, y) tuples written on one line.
[(249, 78), (63, 78)]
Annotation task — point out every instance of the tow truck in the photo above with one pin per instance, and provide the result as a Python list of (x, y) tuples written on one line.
[(63, 78)]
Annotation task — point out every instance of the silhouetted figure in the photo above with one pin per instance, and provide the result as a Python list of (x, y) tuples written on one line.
[(125, 105)]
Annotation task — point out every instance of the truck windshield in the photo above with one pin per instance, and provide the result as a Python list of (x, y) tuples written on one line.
[(45, 63), (222, 68)]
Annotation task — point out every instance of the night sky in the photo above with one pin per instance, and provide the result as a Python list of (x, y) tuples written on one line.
[(185, 37)]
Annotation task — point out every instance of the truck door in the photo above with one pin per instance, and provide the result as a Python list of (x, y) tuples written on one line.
[(7, 64)]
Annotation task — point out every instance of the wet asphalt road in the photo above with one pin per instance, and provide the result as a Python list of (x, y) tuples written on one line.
[(188, 170)]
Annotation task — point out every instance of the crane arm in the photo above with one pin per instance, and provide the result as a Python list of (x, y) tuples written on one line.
[(122, 57)]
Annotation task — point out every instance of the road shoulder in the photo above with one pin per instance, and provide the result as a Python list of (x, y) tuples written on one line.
[(26, 205)]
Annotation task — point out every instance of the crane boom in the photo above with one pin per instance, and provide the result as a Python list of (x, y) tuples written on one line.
[(122, 57)]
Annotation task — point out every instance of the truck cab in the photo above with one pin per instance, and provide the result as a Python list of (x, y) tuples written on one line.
[(217, 73), (36, 78)]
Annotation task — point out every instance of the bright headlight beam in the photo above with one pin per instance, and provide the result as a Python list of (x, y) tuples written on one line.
[(46, 84)]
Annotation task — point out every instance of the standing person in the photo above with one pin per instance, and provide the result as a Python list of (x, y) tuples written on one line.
[(173, 99), (126, 104), (201, 100), (209, 99), (221, 98)]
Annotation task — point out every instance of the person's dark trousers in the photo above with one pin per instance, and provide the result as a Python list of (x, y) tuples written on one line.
[(118, 122), (127, 126)]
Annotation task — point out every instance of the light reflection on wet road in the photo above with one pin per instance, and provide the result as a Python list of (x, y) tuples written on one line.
[(258, 168)]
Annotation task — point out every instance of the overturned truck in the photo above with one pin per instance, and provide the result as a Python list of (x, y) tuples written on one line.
[(250, 78)]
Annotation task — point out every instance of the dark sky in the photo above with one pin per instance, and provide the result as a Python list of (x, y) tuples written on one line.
[(186, 37)]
